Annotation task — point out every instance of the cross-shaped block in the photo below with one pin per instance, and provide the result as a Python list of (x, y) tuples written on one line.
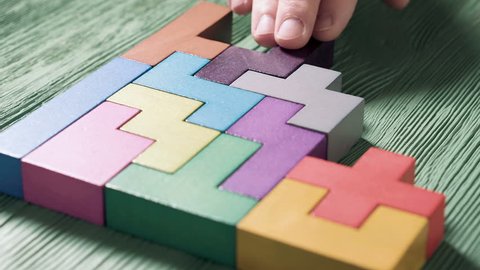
[(224, 105), (378, 178), (234, 61), (195, 32), (335, 114), (162, 118)]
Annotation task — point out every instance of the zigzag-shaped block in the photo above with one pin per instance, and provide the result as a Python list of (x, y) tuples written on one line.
[(283, 146), (162, 119), (234, 61)]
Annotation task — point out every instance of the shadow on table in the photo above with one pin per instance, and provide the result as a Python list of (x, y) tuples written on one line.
[(356, 152), (94, 246), (455, 259), (430, 48)]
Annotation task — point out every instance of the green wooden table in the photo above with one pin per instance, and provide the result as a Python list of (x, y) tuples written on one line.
[(419, 71)]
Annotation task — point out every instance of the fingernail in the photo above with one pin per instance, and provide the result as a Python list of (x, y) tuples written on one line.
[(266, 25), (324, 23), (291, 29)]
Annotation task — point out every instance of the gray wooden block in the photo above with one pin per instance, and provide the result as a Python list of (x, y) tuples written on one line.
[(326, 110)]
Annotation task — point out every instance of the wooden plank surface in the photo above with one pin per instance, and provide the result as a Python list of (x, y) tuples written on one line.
[(419, 71)]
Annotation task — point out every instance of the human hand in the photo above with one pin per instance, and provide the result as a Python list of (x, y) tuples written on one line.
[(291, 23)]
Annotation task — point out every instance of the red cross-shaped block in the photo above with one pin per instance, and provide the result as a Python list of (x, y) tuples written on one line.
[(378, 178)]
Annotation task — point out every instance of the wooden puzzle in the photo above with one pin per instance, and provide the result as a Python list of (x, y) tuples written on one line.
[(225, 153)]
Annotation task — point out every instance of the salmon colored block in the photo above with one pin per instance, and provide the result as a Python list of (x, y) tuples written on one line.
[(204, 31), (69, 171), (378, 178), (162, 119), (280, 233)]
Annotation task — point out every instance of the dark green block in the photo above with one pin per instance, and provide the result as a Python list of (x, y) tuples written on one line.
[(185, 210)]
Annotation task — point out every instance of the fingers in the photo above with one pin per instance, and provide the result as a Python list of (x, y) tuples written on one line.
[(294, 22), (332, 18), (240, 6), (264, 13), (291, 23), (397, 4)]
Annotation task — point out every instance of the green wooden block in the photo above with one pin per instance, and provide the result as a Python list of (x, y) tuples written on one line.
[(185, 210)]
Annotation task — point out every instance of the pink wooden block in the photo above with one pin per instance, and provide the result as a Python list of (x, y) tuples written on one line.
[(69, 171)]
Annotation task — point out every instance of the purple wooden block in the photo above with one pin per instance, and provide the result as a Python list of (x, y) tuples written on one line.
[(283, 146), (234, 61)]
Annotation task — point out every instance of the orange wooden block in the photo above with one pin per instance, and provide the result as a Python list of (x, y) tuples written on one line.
[(200, 31)]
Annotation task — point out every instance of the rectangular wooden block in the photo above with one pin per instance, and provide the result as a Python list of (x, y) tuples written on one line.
[(69, 171), (224, 105), (280, 233), (162, 119), (52, 117), (200, 31), (185, 210)]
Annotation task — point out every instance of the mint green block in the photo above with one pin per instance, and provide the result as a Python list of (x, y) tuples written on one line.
[(185, 210)]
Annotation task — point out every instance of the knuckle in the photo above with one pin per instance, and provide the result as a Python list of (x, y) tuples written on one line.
[(264, 7), (297, 6)]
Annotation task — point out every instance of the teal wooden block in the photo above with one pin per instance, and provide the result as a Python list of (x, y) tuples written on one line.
[(185, 210), (224, 105)]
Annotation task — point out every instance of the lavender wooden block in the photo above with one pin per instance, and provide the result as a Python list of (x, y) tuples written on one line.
[(283, 146), (235, 61)]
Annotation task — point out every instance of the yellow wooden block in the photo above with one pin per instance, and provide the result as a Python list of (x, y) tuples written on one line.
[(162, 119), (279, 233)]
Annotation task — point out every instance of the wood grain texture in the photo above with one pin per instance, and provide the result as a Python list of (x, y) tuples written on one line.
[(419, 71)]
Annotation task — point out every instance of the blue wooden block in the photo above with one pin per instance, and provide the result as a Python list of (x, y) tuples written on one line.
[(55, 115), (224, 105)]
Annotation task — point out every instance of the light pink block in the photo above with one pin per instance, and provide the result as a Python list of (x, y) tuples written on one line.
[(69, 171)]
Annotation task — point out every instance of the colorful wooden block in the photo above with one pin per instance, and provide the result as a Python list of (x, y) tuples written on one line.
[(338, 115), (185, 210), (280, 233), (69, 171), (55, 115), (378, 178), (224, 105), (195, 32), (162, 119), (234, 61), (283, 146)]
